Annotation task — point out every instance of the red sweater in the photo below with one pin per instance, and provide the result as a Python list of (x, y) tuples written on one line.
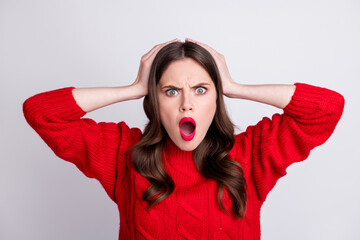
[(264, 151)]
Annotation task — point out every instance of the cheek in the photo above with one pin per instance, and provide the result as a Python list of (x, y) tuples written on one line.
[(207, 111), (211, 107), (166, 115), (210, 104)]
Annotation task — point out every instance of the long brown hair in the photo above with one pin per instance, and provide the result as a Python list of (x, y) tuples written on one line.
[(211, 156)]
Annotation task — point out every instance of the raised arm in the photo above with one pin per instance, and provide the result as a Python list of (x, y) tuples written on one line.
[(97, 149), (308, 121), (90, 99), (310, 116), (277, 95)]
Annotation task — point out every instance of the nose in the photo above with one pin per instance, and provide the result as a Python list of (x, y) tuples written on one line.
[(186, 103)]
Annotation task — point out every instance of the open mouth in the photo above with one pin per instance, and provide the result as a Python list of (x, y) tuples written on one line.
[(187, 128)]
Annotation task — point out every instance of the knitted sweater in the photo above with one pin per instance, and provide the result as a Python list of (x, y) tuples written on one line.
[(264, 151)]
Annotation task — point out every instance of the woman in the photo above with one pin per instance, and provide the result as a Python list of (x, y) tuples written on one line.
[(187, 176)]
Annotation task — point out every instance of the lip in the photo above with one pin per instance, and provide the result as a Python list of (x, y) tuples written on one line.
[(187, 137)]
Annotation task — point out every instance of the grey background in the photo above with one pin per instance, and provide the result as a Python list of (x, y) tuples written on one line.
[(47, 44)]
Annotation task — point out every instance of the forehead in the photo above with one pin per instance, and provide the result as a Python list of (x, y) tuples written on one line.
[(184, 71)]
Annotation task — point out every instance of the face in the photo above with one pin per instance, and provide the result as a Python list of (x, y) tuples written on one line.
[(187, 102)]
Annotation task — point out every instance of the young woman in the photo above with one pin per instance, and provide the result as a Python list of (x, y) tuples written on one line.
[(186, 176)]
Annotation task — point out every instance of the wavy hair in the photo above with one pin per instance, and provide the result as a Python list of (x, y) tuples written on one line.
[(211, 156)]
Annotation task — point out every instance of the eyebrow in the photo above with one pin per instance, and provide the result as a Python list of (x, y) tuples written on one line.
[(177, 88)]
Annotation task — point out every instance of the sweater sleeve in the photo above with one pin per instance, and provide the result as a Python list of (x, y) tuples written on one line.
[(308, 121), (97, 149)]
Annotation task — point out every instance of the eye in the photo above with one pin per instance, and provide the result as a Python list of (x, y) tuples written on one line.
[(200, 90), (171, 92)]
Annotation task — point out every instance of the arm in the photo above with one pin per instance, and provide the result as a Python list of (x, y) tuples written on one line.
[(90, 99), (310, 116), (307, 122), (277, 95), (97, 149)]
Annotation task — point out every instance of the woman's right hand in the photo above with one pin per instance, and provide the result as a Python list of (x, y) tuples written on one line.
[(90, 99), (142, 78)]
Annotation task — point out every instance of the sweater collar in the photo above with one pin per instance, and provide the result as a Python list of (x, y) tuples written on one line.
[(181, 165), (172, 151)]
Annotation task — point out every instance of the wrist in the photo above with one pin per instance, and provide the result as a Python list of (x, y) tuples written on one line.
[(232, 89), (137, 90)]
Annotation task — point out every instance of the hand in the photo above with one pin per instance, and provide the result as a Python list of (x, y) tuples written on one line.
[(142, 78), (227, 82)]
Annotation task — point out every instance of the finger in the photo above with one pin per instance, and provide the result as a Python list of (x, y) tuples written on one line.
[(199, 43), (207, 47), (157, 48), (160, 45), (152, 50), (192, 40)]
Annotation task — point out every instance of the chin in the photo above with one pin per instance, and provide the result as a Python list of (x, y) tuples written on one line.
[(187, 148), (187, 145)]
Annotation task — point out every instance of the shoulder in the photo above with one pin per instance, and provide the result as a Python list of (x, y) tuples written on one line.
[(129, 134), (241, 151)]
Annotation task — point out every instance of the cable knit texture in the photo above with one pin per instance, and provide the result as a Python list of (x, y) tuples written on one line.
[(264, 151)]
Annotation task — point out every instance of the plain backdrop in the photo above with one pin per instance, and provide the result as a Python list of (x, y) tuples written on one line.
[(48, 44)]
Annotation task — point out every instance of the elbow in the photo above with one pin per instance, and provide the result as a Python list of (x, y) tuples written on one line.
[(338, 105), (342, 101), (31, 109), (26, 107), (332, 105)]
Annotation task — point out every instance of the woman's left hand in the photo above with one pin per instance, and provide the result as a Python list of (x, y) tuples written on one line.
[(227, 81)]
